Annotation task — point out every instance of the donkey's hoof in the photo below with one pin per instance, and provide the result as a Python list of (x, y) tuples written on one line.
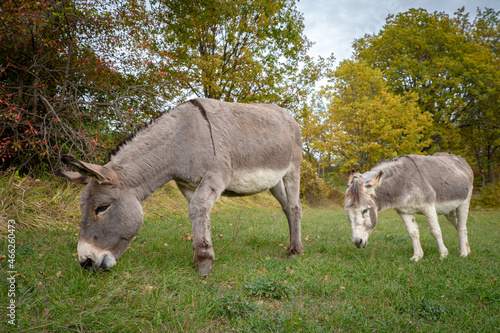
[(416, 257), (293, 251), (444, 254), (204, 269)]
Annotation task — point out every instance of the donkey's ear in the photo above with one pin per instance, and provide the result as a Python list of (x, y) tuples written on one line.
[(373, 183), (351, 175), (98, 172), (74, 177)]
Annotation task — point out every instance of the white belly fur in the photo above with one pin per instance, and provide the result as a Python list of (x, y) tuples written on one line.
[(254, 181), (446, 207)]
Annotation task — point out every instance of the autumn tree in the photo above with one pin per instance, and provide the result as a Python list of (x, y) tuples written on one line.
[(75, 75), (239, 50), (452, 66), (62, 90), (367, 122), (479, 126)]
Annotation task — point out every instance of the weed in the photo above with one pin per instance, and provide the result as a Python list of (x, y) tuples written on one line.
[(232, 306), (268, 287), (430, 310)]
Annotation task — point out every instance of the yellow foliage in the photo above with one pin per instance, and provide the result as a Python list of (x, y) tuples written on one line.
[(313, 189), (367, 123)]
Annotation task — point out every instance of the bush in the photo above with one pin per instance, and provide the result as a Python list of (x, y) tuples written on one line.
[(315, 190), (489, 197), (312, 188)]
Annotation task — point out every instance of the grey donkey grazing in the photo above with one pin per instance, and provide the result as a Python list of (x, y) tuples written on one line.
[(428, 185), (209, 148)]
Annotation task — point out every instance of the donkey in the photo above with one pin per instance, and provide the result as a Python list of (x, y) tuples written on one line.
[(209, 148), (412, 184)]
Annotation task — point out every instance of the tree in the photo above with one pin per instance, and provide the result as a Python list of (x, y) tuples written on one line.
[(240, 50), (74, 76), (452, 66), (367, 123), (59, 88), (480, 125)]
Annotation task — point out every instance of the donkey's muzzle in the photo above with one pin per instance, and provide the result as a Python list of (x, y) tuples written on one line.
[(360, 243), (88, 264)]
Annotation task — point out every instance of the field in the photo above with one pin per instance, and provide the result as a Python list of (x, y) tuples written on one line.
[(254, 287)]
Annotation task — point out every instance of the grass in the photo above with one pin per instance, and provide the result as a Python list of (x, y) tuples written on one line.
[(254, 287)]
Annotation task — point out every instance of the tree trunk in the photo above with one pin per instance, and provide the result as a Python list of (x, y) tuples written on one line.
[(480, 166)]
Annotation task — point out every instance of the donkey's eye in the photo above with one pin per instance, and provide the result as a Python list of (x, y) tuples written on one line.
[(365, 211), (101, 209)]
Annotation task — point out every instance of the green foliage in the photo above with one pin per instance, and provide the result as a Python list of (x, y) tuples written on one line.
[(62, 87), (313, 189), (75, 76), (451, 65), (247, 51), (489, 197), (365, 123), (232, 306), (430, 310), (268, 287)]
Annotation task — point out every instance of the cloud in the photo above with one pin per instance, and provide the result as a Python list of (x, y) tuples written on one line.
[(334, 24)]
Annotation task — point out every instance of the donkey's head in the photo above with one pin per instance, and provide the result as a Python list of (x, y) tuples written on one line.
[(111, 214), (360, 207)]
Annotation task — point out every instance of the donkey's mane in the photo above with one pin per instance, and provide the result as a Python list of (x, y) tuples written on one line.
[(355, 192), (130, 136), (150, 122)]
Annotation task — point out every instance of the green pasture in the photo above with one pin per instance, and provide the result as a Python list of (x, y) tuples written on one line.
[(254, 287)]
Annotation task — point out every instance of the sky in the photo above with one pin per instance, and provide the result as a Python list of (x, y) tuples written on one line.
[(334, 24)]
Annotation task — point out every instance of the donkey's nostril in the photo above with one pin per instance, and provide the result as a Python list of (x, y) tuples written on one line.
[(87, 264), (358, 243)]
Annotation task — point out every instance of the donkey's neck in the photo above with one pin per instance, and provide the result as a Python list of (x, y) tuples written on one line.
[(387, 194), (143, 161)]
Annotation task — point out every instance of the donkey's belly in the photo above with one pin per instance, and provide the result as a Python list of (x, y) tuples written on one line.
[(246, 182)]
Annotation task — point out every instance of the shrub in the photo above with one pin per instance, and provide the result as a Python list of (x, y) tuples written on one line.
[(312, 188), (489, 197), (315, 190)]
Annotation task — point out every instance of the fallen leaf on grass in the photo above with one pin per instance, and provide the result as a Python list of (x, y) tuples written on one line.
[(58, 274)]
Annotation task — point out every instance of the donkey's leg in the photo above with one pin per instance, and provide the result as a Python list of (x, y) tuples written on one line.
[(279, 193), (462, 233), (292, 209), (202, 200), (463, 212), (412, 228), (186, 192), (431, 215)]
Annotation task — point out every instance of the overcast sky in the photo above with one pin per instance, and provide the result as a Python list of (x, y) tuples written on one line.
[(334, 24)]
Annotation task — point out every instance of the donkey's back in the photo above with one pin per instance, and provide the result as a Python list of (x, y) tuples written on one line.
[(425, 180)]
